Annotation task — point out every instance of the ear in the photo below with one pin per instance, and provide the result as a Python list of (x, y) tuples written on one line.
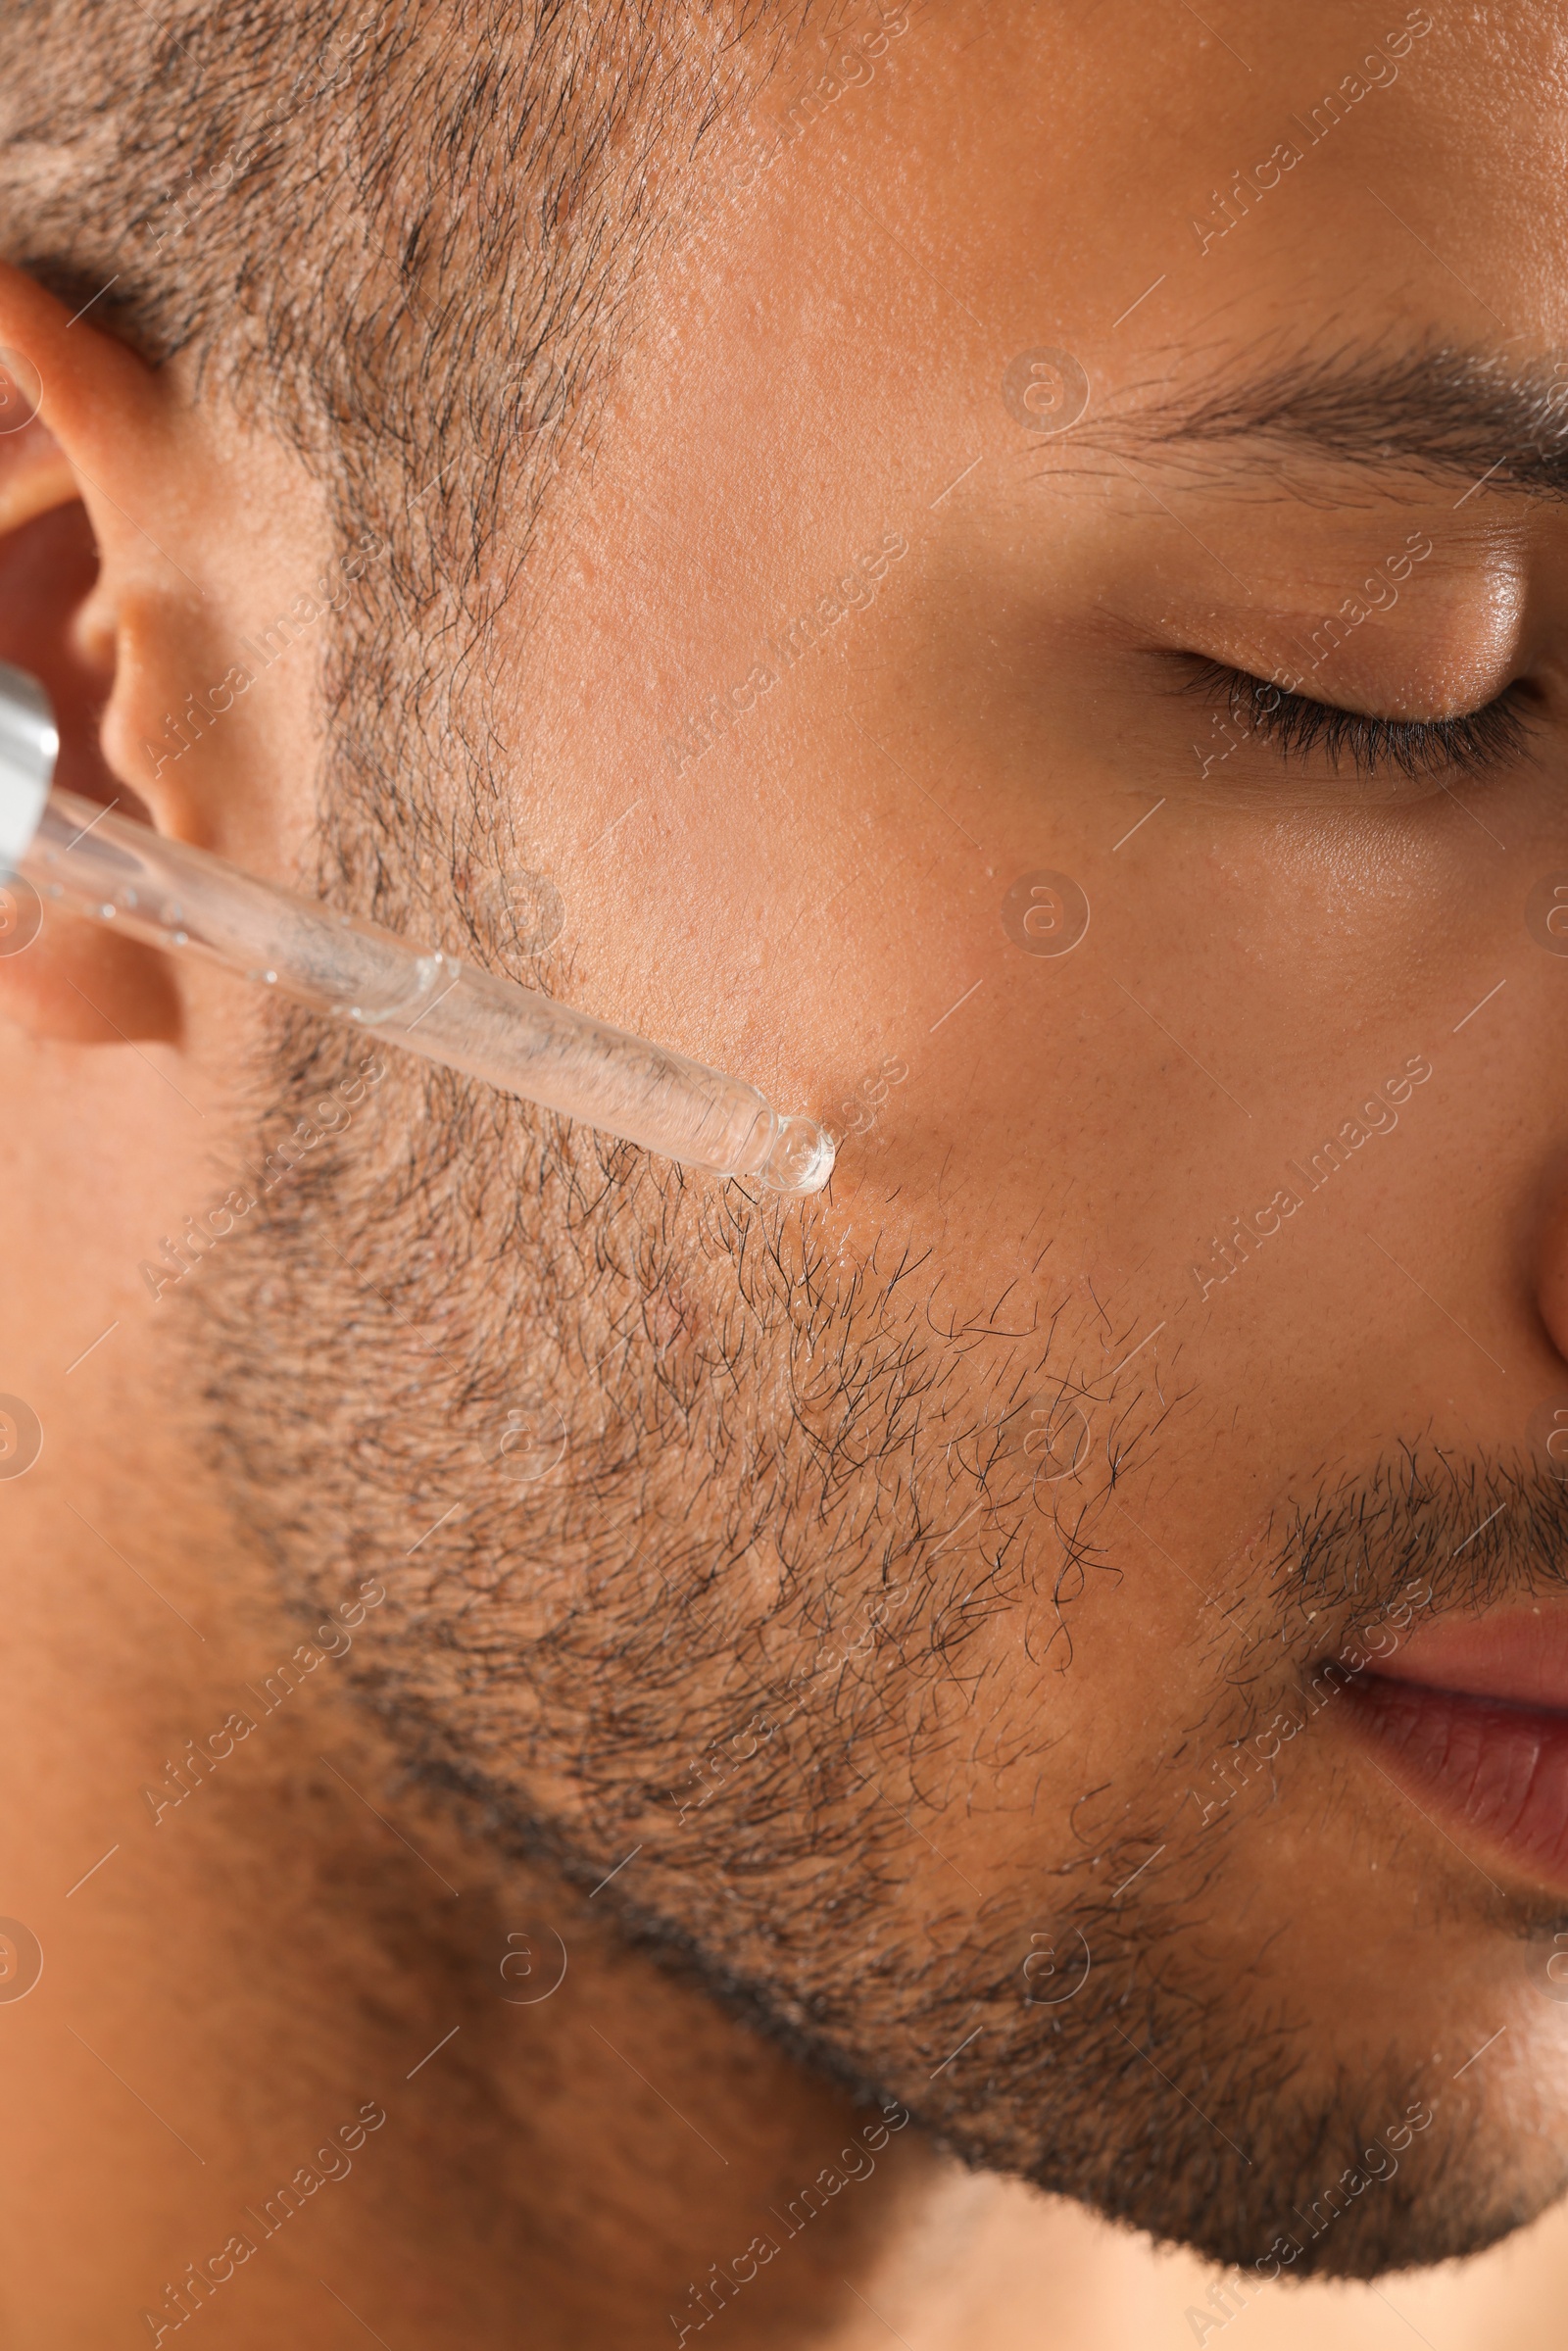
[(65, 978), (130, 569)]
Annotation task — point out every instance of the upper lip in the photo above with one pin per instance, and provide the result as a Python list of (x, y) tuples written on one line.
[(1472, 1719), (1515, 1657)]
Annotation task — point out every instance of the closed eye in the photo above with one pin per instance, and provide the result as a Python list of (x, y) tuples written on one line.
[(1477, 742)]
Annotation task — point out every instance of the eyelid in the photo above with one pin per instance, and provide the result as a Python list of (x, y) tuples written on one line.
[(1475, 742)]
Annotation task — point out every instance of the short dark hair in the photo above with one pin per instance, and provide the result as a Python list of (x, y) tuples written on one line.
[(403, 235), (366, 220)]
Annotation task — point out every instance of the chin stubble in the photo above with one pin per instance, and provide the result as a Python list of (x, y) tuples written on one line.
[(699, 1538)]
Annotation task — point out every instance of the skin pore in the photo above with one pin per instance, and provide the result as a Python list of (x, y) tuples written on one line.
[(903, 1664)]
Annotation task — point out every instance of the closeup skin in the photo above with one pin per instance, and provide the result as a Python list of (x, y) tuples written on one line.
[(911, 1650)]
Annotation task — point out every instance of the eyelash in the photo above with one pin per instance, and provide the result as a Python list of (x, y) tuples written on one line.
[(1480, 742)]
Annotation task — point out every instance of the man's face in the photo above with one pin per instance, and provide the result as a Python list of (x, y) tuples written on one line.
[(944, 1586)]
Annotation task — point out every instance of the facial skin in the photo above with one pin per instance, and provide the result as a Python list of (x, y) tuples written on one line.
[(919, 1632)]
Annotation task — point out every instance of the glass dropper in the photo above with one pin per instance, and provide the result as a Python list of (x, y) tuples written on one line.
[(120, 874)]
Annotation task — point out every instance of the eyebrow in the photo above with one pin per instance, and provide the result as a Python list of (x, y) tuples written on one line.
[(1455, 414)]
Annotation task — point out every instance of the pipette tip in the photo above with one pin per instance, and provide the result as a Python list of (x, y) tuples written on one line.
[(800, 1159)]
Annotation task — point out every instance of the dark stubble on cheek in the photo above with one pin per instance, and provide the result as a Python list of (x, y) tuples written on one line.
[(726, 1555), (663, 1498), (649, 1479)]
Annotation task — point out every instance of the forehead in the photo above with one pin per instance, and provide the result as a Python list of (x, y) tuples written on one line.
[(916, 202), (1145, 188)]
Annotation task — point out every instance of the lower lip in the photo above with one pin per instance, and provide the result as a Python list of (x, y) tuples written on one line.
[(1497, 1774)]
